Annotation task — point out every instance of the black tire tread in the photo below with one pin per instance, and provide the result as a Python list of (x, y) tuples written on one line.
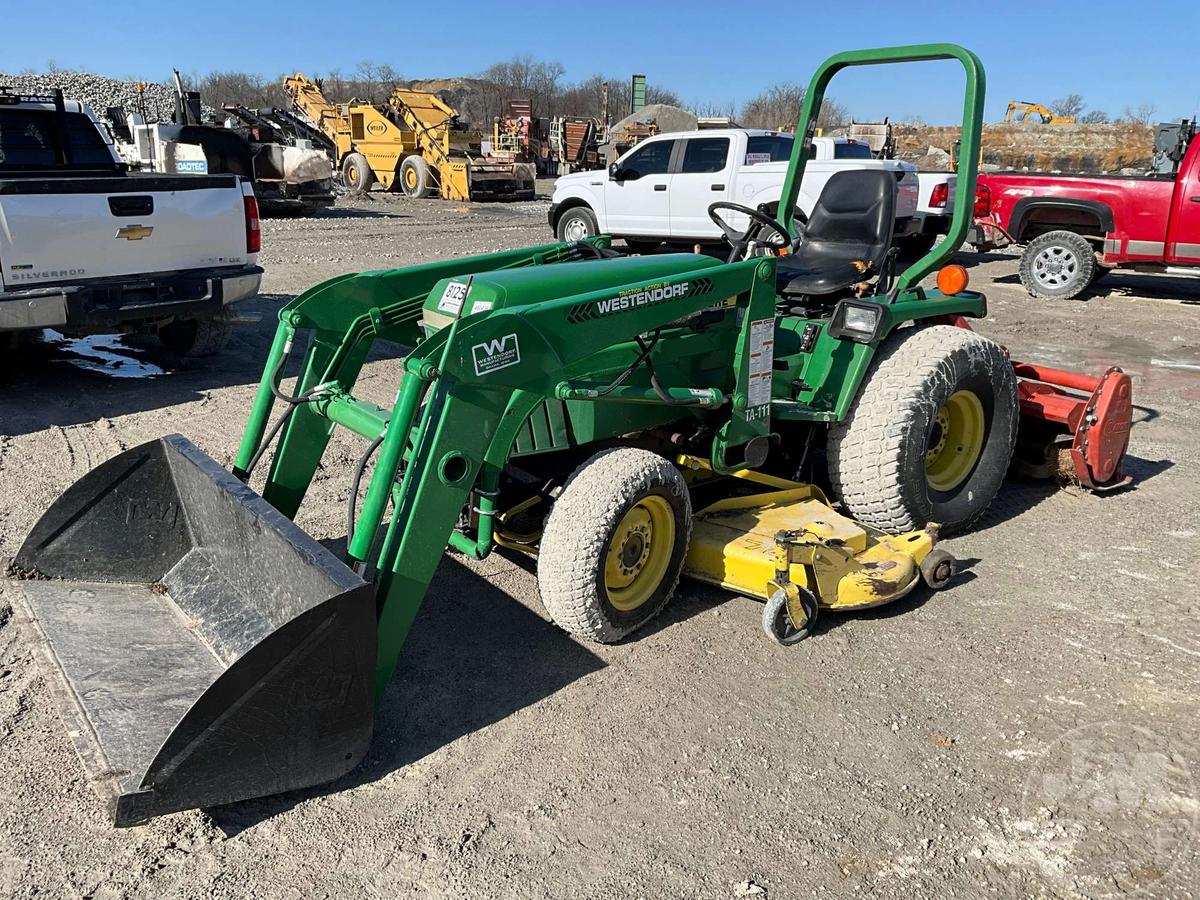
[(1083, 252), (583, 210), (864, 451)]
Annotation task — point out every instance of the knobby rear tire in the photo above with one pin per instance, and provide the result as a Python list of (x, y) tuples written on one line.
[(877, 456)]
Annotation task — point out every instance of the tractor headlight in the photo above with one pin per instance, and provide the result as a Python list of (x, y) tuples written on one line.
[(857, 320)]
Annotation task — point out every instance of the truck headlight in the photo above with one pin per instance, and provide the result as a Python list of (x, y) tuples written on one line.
[(857, 320)]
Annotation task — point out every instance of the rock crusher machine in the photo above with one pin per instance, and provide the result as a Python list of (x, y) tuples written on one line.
[(619, 417)]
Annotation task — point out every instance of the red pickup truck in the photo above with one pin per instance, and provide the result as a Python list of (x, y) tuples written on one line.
[(1077, 227)]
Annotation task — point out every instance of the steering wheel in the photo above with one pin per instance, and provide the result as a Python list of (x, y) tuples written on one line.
[(759, 222)]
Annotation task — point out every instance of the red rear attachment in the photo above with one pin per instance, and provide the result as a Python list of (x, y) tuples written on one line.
[(1079, 436)]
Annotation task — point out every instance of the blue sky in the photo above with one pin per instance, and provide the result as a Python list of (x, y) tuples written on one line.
[(720, 52)]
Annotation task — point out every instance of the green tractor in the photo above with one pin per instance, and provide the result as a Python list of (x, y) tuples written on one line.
[(626, 420)]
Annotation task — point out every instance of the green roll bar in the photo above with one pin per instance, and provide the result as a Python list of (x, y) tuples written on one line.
[(968, 170)]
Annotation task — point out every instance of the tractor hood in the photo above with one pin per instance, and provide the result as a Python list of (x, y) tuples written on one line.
[(452, 297)]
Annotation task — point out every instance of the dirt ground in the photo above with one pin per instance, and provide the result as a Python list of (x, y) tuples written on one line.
[(1030, 731)]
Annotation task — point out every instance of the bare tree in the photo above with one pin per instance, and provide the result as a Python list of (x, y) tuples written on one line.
[(1071, 105), (709, 109), (521, 78), (244, 88), (656, 93), (779, 107), (1142, 114), (1094, 117)]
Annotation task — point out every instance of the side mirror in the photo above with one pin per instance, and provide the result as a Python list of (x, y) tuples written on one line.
[(614, 171)]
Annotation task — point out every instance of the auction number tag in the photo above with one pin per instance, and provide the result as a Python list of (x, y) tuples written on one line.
[(453, 297)]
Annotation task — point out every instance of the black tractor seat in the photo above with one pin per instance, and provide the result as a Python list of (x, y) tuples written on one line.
[(847, 237)]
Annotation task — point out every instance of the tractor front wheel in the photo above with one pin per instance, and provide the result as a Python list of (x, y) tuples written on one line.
[(931, 434), (613, 544)]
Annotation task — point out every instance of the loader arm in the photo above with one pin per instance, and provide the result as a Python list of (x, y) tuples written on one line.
[(467, 390)]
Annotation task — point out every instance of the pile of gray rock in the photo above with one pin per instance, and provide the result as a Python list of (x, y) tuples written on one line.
[(98, 92)]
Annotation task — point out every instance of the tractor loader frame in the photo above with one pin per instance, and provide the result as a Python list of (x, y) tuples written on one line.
[(530, 373)]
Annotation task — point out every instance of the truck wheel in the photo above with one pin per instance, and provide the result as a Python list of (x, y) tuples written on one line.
[(931, 434), (1058, 264), (577, 223), (613, 544), (356, 174), (414, 176), (193, 338)]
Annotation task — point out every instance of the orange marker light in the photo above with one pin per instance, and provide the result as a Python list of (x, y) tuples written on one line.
[(952, 280)]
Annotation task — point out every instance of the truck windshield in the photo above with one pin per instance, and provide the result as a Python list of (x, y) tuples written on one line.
[(41, 139)]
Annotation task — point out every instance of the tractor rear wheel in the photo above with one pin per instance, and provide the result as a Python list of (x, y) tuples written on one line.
[(356, 174), (931, 434), (613, 544), (414, 176)]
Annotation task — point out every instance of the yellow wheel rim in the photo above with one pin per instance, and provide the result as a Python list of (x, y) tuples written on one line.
[(955, 441), (352, 175), (639, 553), (410, 179)]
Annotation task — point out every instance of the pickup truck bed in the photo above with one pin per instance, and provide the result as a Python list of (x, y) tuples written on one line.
[(86, 247)]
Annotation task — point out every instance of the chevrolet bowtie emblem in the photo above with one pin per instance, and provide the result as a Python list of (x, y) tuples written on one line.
[(135, 232)]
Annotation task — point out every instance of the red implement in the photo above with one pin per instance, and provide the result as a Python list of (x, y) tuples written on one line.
[(1096, 415)]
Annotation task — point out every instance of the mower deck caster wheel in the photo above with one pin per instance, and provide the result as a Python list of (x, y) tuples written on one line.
[(777, 620), (938, 569)]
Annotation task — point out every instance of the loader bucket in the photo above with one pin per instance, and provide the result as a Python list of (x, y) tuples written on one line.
[(205, 649)]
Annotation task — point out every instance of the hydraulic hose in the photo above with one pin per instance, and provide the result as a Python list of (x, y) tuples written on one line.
[(658, 388), (356, 483), (292, 403)]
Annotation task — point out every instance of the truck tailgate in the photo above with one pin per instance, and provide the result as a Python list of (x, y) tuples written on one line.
[(55, 229)]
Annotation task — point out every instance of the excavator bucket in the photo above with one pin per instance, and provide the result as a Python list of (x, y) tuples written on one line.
[(206, 650)]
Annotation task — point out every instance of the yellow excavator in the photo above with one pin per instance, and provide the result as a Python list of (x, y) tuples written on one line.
[(414, 144), (1019, 112)]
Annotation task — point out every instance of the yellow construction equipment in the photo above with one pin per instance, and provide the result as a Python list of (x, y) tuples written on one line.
[(1019, 112), (413, 144)]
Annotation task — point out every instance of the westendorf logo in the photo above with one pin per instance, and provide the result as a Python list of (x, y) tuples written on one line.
[(622, 302), (491, 356)]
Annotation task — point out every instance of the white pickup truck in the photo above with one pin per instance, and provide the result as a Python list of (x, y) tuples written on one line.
[(661, 189), (86, 247)]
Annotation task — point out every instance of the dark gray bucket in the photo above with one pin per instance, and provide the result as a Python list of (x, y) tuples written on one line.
[(206, 649)]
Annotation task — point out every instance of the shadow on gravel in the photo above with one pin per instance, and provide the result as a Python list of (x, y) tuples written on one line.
[(1129, 285), (345, 212), (474, 657), (57, 381), (1019, 495)]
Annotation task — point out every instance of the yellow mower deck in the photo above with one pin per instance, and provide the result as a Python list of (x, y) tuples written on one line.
[(755, 543)]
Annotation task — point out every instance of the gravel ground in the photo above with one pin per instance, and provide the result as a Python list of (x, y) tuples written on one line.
[(1030, 731)]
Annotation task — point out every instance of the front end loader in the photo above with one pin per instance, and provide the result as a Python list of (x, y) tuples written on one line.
[(625, 420)]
